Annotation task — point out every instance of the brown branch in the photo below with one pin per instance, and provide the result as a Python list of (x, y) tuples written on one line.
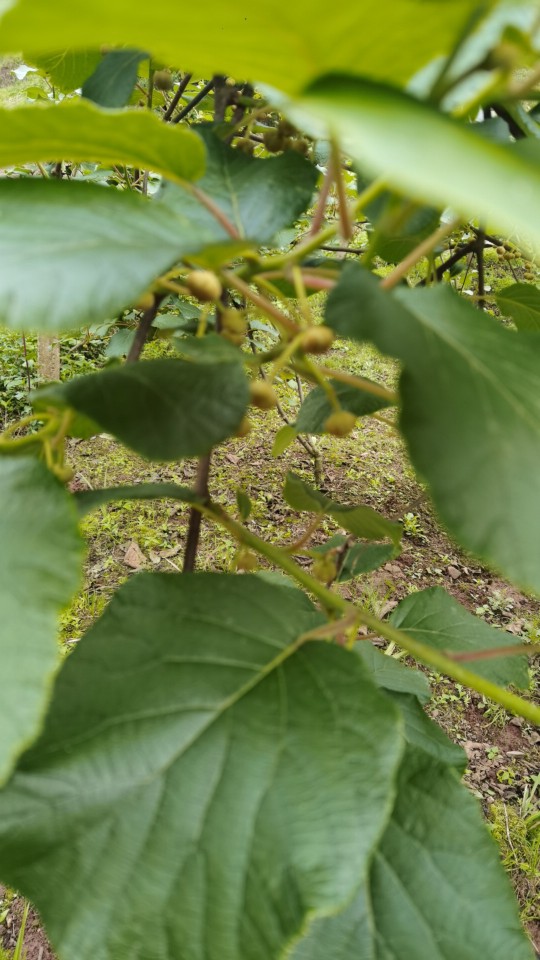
[(143, 330), (195, 516)]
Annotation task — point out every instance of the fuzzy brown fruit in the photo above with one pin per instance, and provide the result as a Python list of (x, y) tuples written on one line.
[(204, 285), (340, 423), (262, 395), (317, 339)]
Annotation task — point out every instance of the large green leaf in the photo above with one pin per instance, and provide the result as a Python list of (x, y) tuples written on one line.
[(409, 689), (258, 197), (437, 889), (277, 42), (93, 251), (386, 132), (78, 130), (361, 521), (68, 69), (471, 411), (521, 302), (112, 82), (163, 409), (436, 619), (316, 408), (40, 567), (200, 768)]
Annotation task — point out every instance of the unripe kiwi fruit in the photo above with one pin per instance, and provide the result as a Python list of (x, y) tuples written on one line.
[(204, 285), (145, 302), (286, 128), (244, 427), (163, 80), (246, 560), (246, 145), (317, 339), (274, 141), (528, 275), (236, 339), (324, 568), (500, 251), (233, 321), (262, 395), (340, 424), (299, 146)]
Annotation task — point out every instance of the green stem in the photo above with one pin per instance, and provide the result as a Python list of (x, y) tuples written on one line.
[(335, 604)]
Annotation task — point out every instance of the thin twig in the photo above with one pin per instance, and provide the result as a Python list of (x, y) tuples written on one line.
[(177, 97), (194, 102)]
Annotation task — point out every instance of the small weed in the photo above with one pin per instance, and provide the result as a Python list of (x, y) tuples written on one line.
[(518, 838)]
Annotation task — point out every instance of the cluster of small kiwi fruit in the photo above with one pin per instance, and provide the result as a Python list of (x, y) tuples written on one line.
[(205, 286), (506, 251)]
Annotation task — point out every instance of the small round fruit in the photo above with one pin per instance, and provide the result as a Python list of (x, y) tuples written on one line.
[(246, 145), (340, 423), (233, 321), (262, 395), (236, 339), (204, 285), (324, 568), (318, 339), (163, 80), (246, 560), (274, 141), (145, 302), (528, 276), (300, 146), (286, 128), (244, 427), (500, 251)]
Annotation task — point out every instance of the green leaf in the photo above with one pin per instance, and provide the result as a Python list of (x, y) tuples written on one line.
[(93, 251), (243, 503), (361, 521), (437, 889), (436, 619), (88, 500), (163, 409), (258, 197), (280, 43), (425, 734), (316, 408), (391, 675), (398, 226), (209, 349), (120, 343), (40, 568), (470, 391), (113, 80), (68, 69), (78, 130), (283, 439), (521, 302), (386, 131), (230, 784), (359, 557)]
